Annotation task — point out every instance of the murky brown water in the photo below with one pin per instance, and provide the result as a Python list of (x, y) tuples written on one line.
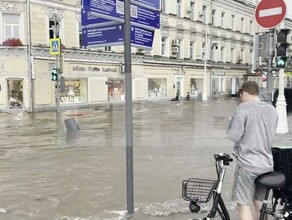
[(46, 173)]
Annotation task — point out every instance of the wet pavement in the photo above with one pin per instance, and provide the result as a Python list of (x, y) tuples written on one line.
[(47, 173)]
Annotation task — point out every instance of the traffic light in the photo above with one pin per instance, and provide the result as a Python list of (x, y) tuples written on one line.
[(54, 74), (282, 46), (281, 62)]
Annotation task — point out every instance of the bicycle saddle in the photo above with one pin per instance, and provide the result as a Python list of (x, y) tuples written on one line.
[(271, 180)]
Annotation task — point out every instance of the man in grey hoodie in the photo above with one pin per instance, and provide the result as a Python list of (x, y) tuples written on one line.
[(252, 129)]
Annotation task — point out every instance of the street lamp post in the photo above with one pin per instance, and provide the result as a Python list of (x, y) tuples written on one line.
[(204, 93)]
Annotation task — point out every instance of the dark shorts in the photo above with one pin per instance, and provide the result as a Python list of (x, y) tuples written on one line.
[(244, 188)]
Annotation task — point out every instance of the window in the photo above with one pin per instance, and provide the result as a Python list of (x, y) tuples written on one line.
[(75, 91), (179, 48), (242, 25), (163, 6), (11, 26), (250, 27), (222, 20), (203, 51), (157, 87), (191, 50), (52, 28), (241, 55), (222, 54), (192, 11), (232, 22), (231, 55), (178, 8), (213, 17), (108, 48), (204, 14), (163, 46)]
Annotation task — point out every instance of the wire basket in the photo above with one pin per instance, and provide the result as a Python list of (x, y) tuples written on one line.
[(198, 190)]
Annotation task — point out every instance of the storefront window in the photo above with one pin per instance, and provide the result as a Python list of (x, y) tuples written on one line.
[(75, 91), (15, 93), (157, 88), (116, 89), (193, 87)]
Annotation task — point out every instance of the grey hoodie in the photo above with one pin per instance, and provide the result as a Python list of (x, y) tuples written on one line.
[(252, 128)]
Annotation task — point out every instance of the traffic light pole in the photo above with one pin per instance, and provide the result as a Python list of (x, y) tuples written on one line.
[(270, 69), (56, 30)]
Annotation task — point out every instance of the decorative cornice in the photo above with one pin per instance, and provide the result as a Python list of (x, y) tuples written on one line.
[(164, 32), (55, 11), (85, 55), (20, 51), (11, 6)]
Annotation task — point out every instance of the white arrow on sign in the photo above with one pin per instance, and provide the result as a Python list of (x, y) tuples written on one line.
[(270, 12)]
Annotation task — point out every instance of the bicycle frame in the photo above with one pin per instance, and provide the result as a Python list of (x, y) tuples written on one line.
[(199, 191), (218, 203)]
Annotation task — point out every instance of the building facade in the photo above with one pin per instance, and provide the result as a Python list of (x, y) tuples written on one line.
[(202, 46)]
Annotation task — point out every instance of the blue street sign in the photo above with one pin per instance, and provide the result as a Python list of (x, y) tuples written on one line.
[(55, 46), (152, 4), (141, 37), (107, 35), (114, 10), (89, 19), (114, 35)]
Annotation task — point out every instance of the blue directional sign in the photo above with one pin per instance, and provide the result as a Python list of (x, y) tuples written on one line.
[(114, 10), (141, 37), (89, 19), (106, 35), (114, 35), (152, 4)]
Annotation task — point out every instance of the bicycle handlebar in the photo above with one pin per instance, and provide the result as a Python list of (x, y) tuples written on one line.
[(223, 156)]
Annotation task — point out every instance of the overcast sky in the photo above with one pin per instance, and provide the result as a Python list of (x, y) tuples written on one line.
[(289, 7)]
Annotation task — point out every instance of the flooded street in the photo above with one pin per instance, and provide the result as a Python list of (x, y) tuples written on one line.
[(49, 174)]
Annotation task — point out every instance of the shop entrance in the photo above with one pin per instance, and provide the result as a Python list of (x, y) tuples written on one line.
[(179, 86), (15, 93)]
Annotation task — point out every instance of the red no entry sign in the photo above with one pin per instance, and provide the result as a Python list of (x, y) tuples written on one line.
[(270, 13)]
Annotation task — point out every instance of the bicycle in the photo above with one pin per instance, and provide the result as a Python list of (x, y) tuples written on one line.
[(199, 191)]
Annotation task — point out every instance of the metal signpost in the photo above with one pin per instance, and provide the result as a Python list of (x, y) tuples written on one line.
[(55, 49), (114, 22), (270, 14)]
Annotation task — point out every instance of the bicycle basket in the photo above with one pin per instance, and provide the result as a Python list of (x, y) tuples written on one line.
[(198, 190)]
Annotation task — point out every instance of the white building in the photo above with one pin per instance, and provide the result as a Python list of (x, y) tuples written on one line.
[(192, 32)]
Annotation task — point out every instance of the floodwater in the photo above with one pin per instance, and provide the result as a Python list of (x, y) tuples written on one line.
[(47, 173)]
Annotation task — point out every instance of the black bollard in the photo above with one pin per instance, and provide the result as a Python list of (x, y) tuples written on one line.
[(71, 125)]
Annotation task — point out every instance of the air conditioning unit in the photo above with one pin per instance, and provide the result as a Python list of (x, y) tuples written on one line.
[(175, 42), (175, 50)]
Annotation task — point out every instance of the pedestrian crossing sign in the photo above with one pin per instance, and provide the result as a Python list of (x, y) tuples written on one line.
[(55, 46)]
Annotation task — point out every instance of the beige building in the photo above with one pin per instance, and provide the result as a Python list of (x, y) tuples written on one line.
[(202, 46)]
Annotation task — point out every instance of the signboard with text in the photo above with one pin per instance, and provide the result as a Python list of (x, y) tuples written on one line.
[(113, 10), (114, 35)]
